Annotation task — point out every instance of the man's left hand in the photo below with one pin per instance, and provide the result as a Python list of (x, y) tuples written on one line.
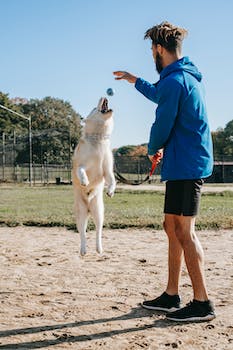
[(158, 155)]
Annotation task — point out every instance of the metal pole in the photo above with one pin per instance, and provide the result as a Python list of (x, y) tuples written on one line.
[(30, 149), (13, 150), (11, 110), (69, 171), (29, 136), (3, 156)]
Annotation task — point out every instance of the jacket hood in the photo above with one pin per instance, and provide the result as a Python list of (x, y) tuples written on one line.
[(184, 64)]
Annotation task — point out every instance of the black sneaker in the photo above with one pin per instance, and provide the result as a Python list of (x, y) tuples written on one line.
[(195, 311), (165, 302)]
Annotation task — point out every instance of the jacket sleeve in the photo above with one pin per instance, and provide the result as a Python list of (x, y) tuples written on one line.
[(147, 89), (166, 113)]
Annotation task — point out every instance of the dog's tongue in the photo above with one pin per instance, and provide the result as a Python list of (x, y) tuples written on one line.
[(104, 106)]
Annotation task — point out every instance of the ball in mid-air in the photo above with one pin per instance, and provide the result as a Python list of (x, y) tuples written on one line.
[(110, 92)]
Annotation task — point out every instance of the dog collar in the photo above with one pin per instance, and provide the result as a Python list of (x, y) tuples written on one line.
[(94, 138)]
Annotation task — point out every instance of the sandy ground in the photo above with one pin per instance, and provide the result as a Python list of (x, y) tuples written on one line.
[(53, 299)]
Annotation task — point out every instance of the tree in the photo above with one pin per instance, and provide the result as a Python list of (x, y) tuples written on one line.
[(218, 143), (223, 141), (9, 121), (229, 138), (131, 151), (55, 128)]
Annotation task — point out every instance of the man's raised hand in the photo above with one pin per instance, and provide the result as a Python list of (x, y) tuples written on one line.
[(125, 76)]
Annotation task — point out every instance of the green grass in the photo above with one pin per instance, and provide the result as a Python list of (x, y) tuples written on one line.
[(53, 206)]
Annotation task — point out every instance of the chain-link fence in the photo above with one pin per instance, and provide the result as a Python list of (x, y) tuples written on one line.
[(134, 169), (52, 161), (51, 157), (41, 173)]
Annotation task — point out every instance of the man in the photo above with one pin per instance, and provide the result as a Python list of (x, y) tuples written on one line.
[(181, 130)]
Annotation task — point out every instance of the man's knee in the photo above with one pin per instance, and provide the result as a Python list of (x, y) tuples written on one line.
[(169, 228), (184, 231)]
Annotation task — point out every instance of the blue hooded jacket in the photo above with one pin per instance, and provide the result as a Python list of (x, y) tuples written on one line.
[(181, 125)]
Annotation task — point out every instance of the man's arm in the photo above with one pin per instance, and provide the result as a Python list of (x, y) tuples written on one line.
[(147, 89), (168, 104), (125, 76), (166, 114)]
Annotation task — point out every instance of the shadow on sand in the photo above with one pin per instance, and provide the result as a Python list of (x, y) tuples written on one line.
[(135, 313)]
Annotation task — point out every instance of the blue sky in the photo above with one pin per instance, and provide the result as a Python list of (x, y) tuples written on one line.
[(69, 48)]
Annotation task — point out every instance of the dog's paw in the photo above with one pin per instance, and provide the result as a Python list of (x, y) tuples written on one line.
[(110, 191), (110, 194), (83, 251), (99, 250), (84, 182)]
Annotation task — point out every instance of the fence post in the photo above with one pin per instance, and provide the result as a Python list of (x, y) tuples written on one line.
[(3, 155), (30, 148), (223, 170), (14, 154)]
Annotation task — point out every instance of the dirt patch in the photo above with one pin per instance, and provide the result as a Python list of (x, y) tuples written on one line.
[(52, 298)]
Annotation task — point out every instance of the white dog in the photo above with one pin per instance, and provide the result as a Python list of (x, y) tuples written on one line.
[(92, 167)]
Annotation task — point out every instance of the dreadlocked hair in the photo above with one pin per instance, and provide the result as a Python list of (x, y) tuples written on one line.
[(167, 35)]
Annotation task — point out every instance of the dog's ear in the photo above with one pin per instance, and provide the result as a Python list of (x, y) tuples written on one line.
[(91, 113)]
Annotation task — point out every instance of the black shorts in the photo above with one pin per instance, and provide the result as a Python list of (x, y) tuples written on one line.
[(182, 197)]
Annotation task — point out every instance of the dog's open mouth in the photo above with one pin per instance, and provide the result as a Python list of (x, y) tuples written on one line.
[(104, 106)]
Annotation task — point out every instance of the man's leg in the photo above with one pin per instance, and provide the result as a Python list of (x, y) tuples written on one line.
[(170, 299), (175, 255), (193, 254), (201, 308)]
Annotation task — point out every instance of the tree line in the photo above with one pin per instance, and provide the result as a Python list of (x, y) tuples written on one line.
[(56, 129), (222, 145)]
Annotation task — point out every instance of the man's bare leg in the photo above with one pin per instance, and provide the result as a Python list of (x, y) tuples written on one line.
[(175, 256), (193, 254), (169, 300)]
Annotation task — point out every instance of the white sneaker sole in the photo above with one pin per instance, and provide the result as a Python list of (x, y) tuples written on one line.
[(157, 308), (192, 319)]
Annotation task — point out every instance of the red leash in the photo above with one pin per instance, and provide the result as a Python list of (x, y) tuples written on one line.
[(156, 160)]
